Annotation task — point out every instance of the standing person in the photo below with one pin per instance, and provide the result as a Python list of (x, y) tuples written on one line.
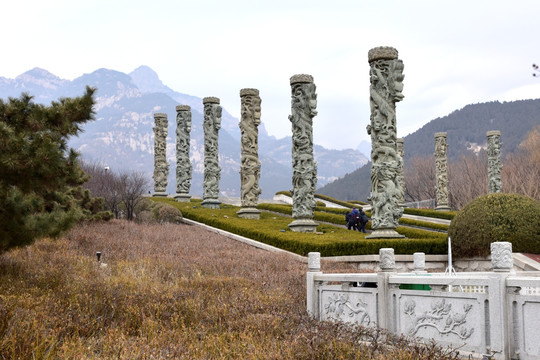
[(348, 220), (362, 220), (354, 218)]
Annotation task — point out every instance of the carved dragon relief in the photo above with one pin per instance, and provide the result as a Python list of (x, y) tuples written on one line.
[(441, 318), (339, 304)]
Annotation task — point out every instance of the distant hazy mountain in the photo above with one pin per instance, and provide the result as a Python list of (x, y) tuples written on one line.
[(466, 132), (365, 148), (122, 136)]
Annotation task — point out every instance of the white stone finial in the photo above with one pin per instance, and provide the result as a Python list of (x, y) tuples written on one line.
[(419, 262), (314, 261), (387, 260), (501, 256)]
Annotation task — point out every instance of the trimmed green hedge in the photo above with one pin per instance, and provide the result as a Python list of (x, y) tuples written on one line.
[(337, 216), (272, 229)]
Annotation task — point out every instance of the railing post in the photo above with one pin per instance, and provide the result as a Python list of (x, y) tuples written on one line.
[(387, 264), (419, 263), (312, 296), (499, 327)]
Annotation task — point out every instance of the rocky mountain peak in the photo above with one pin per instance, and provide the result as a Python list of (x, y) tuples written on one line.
[(41, 78), (147, 80)]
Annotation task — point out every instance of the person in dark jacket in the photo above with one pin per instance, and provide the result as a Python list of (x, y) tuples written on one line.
[(353, 220), (349, 220), (362, 221)]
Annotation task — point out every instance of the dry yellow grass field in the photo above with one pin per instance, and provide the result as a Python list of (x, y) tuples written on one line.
[(170, 292)]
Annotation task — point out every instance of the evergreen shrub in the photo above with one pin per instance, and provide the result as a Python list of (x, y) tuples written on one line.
[(496, 217)]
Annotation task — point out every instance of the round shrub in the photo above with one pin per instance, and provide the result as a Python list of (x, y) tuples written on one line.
[(496, 217), (169, 214), (145, 217)]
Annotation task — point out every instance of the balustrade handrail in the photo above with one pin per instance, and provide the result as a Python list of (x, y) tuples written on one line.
[(490, 313)]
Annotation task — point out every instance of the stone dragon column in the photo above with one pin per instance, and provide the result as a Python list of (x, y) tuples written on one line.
[(441, 171), (401, 179), (386, 77), (183, 165), (250, 170), (304, 179), (494, 160), (161, 166), (212, 170)]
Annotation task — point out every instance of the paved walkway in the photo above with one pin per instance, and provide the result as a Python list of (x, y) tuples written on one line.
[(428, 219)]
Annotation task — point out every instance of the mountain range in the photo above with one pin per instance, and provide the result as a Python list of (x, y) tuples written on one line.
[(122, 138), (466, 133)]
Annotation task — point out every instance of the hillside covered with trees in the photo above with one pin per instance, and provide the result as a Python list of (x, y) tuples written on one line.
[(466, 135)]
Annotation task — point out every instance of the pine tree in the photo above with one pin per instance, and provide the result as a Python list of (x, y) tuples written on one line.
[(40, 177)]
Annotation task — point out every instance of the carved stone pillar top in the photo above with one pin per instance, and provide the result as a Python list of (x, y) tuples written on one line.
[(301, 78), (183, 108), (249, 92), (160, 115), (493, 133), (440, 134), (314, 261), (210, 100), (501, 256), (382, 53), (387, 260)]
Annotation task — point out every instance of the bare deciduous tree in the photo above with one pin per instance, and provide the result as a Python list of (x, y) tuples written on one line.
[(105, 184), (467, 179), (521, 170), (118, 190), (419, 177), (133, 186)]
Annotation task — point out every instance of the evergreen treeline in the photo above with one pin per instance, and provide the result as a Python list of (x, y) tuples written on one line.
[(353, 186)]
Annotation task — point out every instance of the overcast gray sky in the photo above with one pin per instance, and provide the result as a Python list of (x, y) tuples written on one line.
[(455, 52)]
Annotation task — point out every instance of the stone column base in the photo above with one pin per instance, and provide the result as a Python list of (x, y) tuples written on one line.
[(303, 225), (443, 208), (160, 194), (249, 213), (182, 197), (384, 234), (211, 203)]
